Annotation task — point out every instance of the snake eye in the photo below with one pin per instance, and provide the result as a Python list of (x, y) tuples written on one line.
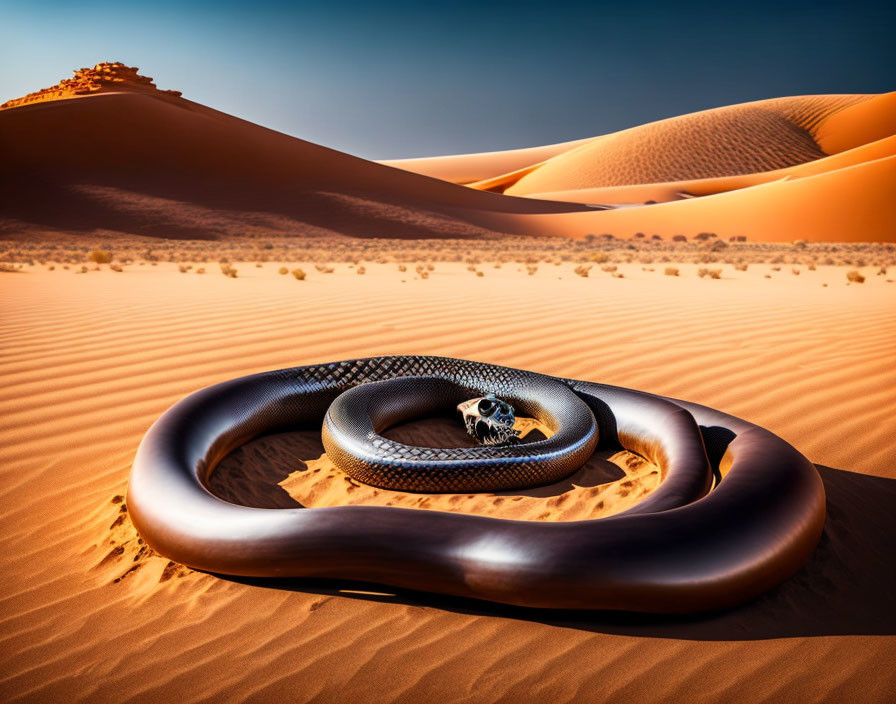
[(486, 407)]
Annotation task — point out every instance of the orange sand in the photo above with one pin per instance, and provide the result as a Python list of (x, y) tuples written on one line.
[(89, 361), (107, 152)]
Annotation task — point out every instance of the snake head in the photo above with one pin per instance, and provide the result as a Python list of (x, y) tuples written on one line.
[(490, 420)]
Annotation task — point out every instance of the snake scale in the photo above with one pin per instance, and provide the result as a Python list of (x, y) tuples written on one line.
[(738, 509)]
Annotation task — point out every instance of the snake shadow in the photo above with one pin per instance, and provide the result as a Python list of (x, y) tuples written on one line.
[(845, 588)]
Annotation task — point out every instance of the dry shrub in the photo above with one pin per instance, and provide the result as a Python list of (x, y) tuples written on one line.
[(298, 274), (609, 269), (531, 269), (116, 267), (741, 267), (618, 275), (776, 268), (184, 268), (200, 270), (811, 267), (228, 270), (679, 238), (283, 271), (599, 257), (582, 270), (671, 271), (704, 236), (796, 272), (480, 273), (855, 277), (402, 268), (100, 256), (709, 273), (361, 270)]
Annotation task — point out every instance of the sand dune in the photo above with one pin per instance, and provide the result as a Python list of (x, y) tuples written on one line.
[(153, 164), (739, 139), (88, 362), (108, 155), (469, 168)]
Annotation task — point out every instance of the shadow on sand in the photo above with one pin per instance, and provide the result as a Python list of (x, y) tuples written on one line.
[(846, 588)]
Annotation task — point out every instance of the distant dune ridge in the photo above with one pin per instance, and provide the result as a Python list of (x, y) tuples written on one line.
[(106, 151)]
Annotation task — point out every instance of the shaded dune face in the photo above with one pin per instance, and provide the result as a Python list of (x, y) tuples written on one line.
[(141, 164), (735, 140)]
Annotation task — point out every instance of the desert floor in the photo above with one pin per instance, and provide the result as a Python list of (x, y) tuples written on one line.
[(87, 362)]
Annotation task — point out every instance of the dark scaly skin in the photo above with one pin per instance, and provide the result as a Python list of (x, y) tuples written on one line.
[(679, 550)]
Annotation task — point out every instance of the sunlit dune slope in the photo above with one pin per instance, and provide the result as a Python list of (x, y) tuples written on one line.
[(469, 168), (738, 139), (679, 190), (852, 204)]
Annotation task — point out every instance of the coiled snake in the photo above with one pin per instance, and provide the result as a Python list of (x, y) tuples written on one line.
[(683, 548)]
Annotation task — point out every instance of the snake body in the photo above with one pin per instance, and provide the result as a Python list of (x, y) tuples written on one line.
[(683, 548)]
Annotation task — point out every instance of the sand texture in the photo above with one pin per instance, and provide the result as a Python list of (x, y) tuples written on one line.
[(89, 361)]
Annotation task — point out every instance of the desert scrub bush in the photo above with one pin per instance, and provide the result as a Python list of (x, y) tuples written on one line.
[(531, 269), (582, 270), (855, 277), (116, 267), (709, 273), (609, 269), (228, 270), (679, 238), (298, 274), (480, 273), (184, 268), (741, 267), (671, 271), (99, 256), (283, 271), (361, 270), (795, 271), (402, 268), (704, 236), (599, 257), (618, 275), (200, 270)]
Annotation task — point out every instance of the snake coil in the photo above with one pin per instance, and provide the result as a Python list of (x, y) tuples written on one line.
[(682, 549)]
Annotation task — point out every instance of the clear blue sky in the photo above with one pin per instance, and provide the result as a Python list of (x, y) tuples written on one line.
[(396, 79)]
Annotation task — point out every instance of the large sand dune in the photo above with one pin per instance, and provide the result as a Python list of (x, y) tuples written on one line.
[(163, 166), (103, 153), (90, 361)]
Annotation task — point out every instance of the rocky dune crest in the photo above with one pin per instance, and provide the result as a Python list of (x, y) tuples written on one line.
[(109, 76)]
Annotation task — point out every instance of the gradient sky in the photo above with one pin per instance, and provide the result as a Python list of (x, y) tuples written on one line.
[(400, 79)]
